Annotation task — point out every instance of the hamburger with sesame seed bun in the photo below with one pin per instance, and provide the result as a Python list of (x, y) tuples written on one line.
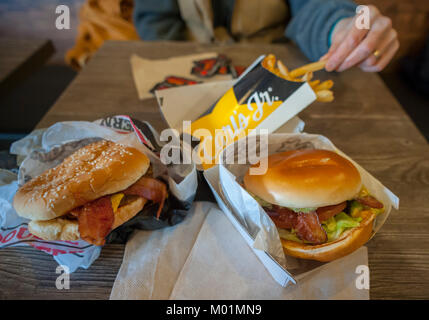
[(317, 202), (93, 191)]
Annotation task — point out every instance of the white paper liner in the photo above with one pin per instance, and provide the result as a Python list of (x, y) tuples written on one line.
[(249, 215)]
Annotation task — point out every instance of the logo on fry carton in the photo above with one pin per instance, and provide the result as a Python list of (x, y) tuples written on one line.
[(265, 97)]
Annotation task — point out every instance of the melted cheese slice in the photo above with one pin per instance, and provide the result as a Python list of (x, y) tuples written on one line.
[(116, 200)]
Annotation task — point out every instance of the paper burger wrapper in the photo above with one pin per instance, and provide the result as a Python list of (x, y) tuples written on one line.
[(46, 148), (254, 224)]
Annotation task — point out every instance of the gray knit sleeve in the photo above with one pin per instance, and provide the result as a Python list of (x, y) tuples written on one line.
[(158, 20)]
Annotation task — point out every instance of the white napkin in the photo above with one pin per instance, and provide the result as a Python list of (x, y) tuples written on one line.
[(206, 258)]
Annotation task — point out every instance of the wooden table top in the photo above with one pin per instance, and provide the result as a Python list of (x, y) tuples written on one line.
[(19, 58), (365, 121)]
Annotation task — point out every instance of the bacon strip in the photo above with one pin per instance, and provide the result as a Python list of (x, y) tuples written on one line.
[(370, 201), (327, 212), (308, 228), (151, 189), (95, 220), (282, 217), (306, 225)]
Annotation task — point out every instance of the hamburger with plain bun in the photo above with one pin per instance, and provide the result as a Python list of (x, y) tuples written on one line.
[(93, 191), (317, 202)]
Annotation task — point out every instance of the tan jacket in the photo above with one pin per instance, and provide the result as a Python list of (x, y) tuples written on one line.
[(252, 21), (100, 20)]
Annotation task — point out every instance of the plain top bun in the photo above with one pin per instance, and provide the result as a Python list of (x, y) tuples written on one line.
[(306, 179), (96, 170)]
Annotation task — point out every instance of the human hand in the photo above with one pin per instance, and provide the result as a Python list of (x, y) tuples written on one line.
[(371, 49)]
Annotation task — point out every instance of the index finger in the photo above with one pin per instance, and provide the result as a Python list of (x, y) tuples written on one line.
[(350, 42), (311, 67), (372, 41)]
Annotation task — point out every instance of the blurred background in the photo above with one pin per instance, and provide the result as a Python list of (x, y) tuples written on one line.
[(28, 23)]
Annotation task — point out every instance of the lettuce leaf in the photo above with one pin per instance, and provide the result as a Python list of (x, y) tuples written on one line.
[(262, 202), (335, 226), (330, 224), (377, 211), (355, 208), (288, 235)]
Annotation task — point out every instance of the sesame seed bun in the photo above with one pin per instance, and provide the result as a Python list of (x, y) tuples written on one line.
[(306, 179), (96, 170)]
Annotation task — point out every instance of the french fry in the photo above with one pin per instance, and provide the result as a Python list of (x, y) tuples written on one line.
[(314, 83), (315, 66), (269, 62), (283, 69), (293, 79), (279, 74), (326, 99), (325, 85), (302, 74), (325, 95), (307, 76)]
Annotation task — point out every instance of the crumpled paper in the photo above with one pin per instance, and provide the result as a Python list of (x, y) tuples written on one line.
[(47, 148), (148, 72)]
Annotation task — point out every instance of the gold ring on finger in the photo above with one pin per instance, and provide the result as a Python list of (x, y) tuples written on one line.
[(376, 54)]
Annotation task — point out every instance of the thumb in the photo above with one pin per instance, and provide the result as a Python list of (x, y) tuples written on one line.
[(341, 29), (324, 57)]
